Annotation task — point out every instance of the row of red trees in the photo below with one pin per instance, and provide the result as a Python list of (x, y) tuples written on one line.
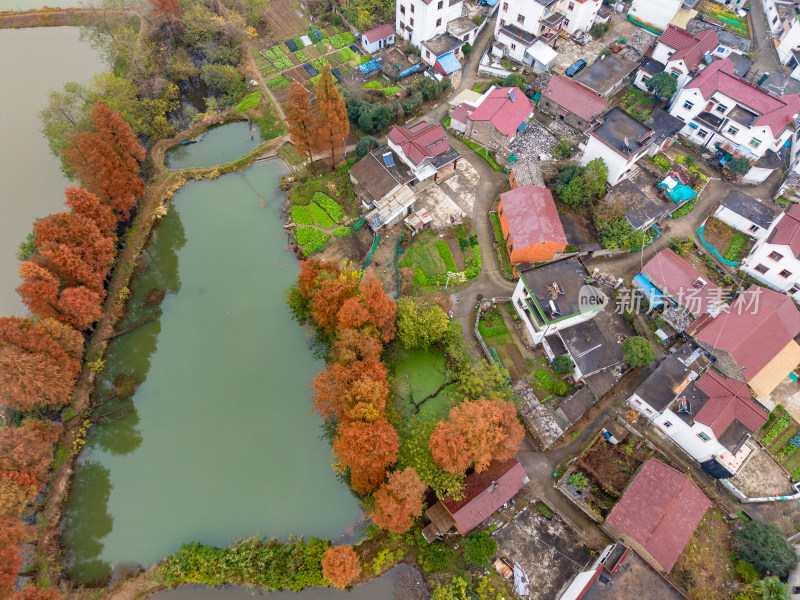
[(64, 287), (319, 126)]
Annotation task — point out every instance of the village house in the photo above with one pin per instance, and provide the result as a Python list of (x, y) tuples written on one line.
[(568, 101), (639, 210), (620, 574), (484, 493), (542, 20), (580, 14), (442, 53), (384, 183), (722, 111), (532, 230), (775, 258), (621, 140), (463, 28), (746, 214), (524, 172), (607, 75), (679, 53), (553, 297), (656, 15), (378, 38), (590, 350), (424, 148), (524, 47), (711, 419), (753, 341), (420, 20), (501, 114), (782, 18), (658, 513)]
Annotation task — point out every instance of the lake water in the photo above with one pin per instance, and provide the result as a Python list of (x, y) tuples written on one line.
[(217, 146), (217, 442), (34, 63)]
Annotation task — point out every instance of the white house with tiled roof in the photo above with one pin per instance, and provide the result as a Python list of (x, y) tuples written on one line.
[(775, 259), (726, 112), (680, 52), (421, 20)]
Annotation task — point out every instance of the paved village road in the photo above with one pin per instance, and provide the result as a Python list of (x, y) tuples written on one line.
[(767, 55)]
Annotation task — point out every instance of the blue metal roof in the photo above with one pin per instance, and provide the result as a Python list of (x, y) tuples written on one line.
[(449, 63), (522, 126), (653, 294)]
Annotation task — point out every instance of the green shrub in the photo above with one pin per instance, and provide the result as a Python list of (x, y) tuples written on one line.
[(765, 547), (479, 547), (420, 278), (373, 85), (638, 351), (662, 162), (562, 364), (736, 248), (579, 480), (559, 388), (447, 256), (342, 232), (301, 216), (434, 557), (473, 263), (249, 101), (329, 205)]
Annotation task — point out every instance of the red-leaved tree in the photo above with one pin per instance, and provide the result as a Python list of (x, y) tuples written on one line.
[(340, 565), (477, 433), (107, 160), (328, 301), (397, 500), (302, 124), (333, 389), (12, 535), (371, 310), (88, 205), (352, 345), (24, 451), (167, 9), (41, 292), (367, 449)]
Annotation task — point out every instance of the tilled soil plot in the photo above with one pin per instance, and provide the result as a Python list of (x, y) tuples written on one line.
[(283, 20)]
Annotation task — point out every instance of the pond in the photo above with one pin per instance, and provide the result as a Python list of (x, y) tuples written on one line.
[(217, 146), (33, 185), (420, 373), (217, 442)]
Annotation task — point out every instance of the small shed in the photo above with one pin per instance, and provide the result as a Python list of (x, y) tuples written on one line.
[(380, 37)]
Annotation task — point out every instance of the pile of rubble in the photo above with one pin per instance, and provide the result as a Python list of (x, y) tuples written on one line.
[(638, 44), (532, 143)]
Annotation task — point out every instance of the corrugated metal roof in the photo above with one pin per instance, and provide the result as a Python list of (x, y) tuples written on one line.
[(660, 510), (673, 275), (379, 33), (728, 400), (503, 112), (787, 230), (485, 492), (575, 98), (532, 216)]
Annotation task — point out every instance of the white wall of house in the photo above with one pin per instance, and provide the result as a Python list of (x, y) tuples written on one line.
[(514, 48), (774, 271), (579, 16), (655, 13), (521, 298), (662, 53), (422, 171), (679, 70), (377, 44), (525, 14), (618, 165), (641, 81), (740, 223), (773, 20), (426, 21), (688, 103), (789, 41)]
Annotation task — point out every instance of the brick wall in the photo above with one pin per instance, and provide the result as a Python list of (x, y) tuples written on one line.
[(551, 108), (486, 134)]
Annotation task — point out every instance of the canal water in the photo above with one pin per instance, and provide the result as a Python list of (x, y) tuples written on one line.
[(217, 146), (34, 63), (217, 442)]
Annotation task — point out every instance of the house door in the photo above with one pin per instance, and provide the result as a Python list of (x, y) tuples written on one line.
[(380, 43)]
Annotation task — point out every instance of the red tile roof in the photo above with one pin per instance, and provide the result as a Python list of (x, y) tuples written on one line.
[(728, 400), (694, 53), (503, 112), (787, 230), (420, 141), (485, 492), (575, 98), (660, 510), (381, 32), (532, 216), (461, 112), (677, 38), (775, 113), (756, 327), (673, 275)]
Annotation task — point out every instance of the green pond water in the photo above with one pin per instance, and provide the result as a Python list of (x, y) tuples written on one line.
[(217, 442), (217, 146), (419, 374)]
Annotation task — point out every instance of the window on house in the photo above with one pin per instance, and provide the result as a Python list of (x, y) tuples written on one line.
[(508, 235), (427, 54), (511, 247), (761, 269), (733, 130), (411, 22), (776, 256), (702, 133), (755, 142), (505, 6), (566, 22), (646, 81), (753, 228), (502, 22), (688, 105), (775, 20), (721, 108), (785, 274), (513, 46), (521, 19), (703, 436), (440, 5), (571, 6), (412, 8), (667, 424), (675, 73), (438, 22), (402, 10)]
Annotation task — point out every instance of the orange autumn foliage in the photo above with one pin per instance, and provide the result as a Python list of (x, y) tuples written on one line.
[(397, 500), (328, 301), (339, 388), (14, 498), (88, 205), (372, 309), (107, 160), (340, 565), (33, 592), (478, 432), (312, 272), (367, 449), (12, 534), (302, 124), (169, 9), (352, 345), (330, 107), (24, 451)]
